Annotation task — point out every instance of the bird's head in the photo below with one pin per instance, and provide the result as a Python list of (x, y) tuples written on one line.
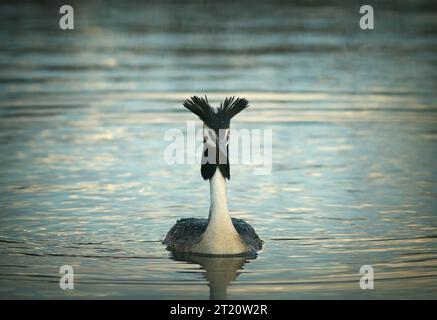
[(216, 123)]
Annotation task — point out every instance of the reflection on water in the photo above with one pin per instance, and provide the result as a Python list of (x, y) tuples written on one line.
[(82, 122), (220, 271)]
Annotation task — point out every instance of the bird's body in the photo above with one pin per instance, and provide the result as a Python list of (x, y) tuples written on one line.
[(186, 233), (219, 234)]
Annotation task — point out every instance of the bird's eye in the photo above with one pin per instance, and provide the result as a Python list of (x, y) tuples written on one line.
[(205, 138)]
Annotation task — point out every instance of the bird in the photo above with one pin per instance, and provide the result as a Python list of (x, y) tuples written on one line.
[(219, 235)]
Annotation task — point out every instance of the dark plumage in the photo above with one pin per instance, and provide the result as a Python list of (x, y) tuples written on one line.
[(186, 233)]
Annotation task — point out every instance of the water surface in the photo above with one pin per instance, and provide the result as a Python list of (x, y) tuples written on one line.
[(83, 115)]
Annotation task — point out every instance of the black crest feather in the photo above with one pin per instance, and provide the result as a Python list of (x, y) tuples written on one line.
[(219, 118), (201, 108), (232, 106)]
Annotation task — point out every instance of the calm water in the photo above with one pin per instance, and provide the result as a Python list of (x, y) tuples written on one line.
[(83, 181)]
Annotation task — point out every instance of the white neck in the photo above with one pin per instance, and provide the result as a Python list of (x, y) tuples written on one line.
[(220, 236), (218, 211)]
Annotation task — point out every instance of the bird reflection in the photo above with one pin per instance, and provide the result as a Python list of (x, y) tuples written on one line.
[(220, 270)]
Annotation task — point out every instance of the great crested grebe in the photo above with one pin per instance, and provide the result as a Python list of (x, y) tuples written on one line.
[(219, 234)]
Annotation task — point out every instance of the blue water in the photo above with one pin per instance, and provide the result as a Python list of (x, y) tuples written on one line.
[(83, 180)]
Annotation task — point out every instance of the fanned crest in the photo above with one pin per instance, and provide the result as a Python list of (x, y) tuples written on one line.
[(216, 119)]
